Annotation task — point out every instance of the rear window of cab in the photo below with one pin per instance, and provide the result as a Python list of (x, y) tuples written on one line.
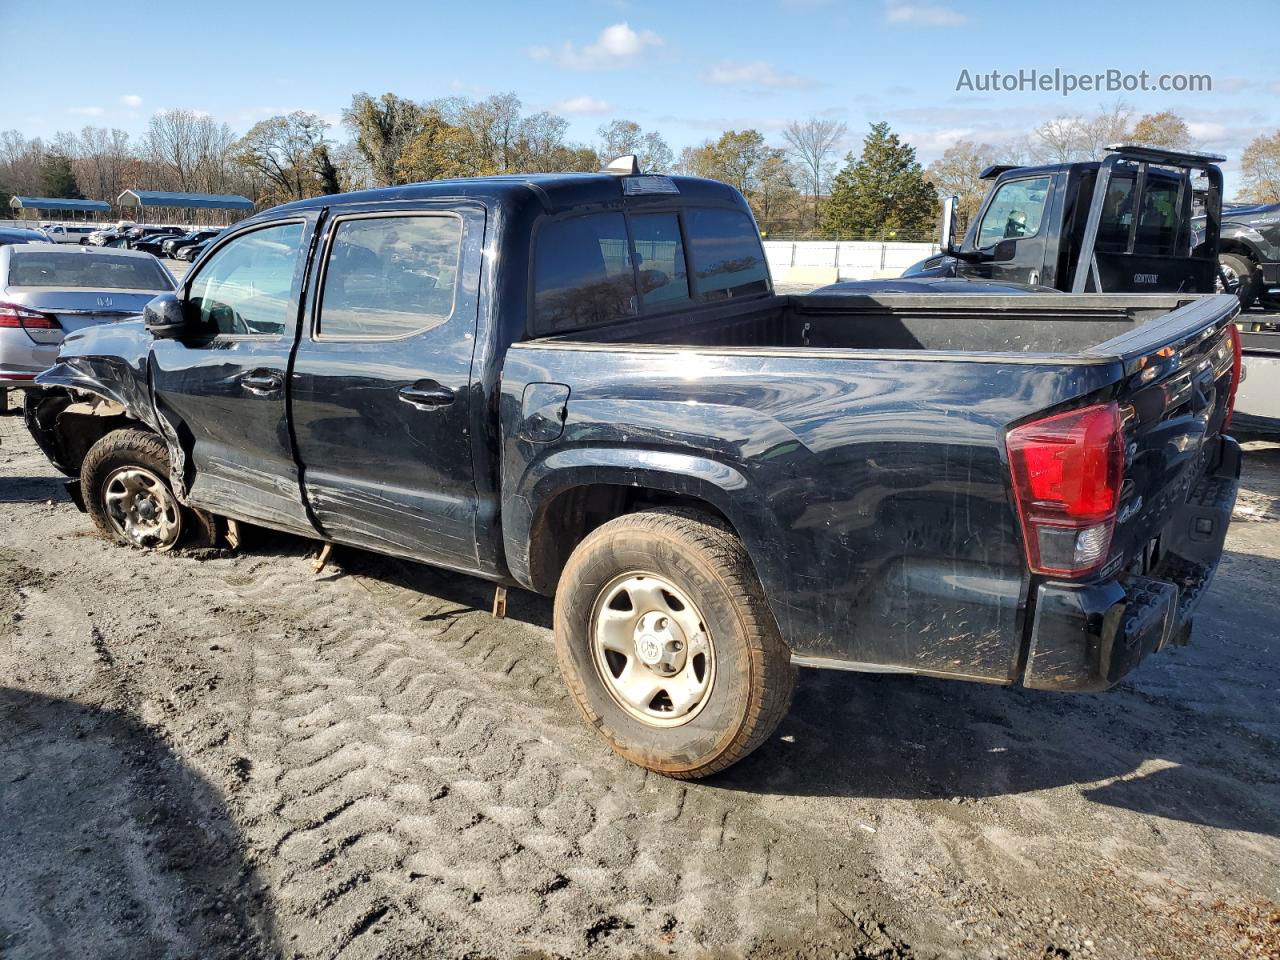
[(595, 268)]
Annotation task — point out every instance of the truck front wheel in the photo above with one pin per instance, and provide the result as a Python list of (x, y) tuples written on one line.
[(667, 645), (1239, 276), (125, 484)]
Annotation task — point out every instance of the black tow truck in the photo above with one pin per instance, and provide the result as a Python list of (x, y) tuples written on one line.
[(1142, 220)]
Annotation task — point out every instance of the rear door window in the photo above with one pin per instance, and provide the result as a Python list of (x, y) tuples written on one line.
[(389, 277), (728, 260), (583, 274)]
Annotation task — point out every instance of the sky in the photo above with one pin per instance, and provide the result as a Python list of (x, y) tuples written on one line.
[(689, 69)]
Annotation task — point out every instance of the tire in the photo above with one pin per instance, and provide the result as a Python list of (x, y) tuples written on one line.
[(125, 484), (698, 574), (1242, 270)]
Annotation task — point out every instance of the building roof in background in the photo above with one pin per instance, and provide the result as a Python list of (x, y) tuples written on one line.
[(199, 201), (57, 203)]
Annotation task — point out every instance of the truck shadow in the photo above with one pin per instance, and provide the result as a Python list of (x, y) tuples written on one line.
[(887, 737), (31, 489), (113, 847)]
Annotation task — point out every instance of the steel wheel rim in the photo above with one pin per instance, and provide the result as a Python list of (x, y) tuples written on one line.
[(652, 650), (141, 509), (1229, 280)]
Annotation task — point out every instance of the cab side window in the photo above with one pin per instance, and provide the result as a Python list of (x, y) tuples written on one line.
[(1015, 211), (389, 277), (244, 288)]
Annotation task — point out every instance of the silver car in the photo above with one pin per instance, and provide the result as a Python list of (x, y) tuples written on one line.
[(48, 290)]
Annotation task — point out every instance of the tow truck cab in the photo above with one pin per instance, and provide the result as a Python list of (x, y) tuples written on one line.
[(1142, 220)]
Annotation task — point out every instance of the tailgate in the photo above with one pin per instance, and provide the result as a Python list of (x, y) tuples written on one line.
[(1174, 400)]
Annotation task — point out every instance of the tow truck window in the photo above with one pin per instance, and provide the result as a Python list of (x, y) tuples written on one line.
[(1015, 211), (583, 274), (243, 289)]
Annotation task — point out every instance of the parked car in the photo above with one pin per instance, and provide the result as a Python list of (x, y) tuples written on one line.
[(102, 236), (67, 232), (1250, 253), (152, 243), (20, 235), (48, 291), (171, 246), (191, 251), (585, 386)]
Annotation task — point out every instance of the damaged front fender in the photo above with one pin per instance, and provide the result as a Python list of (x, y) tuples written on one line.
[(99, 384)]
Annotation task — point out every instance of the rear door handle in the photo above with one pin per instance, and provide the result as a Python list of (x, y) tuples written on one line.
[(262, 383), (426, 395)]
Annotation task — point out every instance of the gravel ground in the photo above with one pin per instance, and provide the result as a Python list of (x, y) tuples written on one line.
[(220, 755)]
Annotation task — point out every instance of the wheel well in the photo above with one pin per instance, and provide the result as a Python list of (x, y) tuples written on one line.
[(566, 519), (66, 428), (1236, 247)]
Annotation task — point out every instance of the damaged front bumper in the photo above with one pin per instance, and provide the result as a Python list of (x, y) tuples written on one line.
[(1087, 637)]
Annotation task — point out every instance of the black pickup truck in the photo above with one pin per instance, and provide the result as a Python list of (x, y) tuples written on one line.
[(584, 385)]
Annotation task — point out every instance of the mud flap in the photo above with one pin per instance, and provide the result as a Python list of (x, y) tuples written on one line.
[(75, 493)]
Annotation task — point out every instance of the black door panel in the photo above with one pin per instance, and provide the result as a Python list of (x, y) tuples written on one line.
[(223, 391), (380, 398)]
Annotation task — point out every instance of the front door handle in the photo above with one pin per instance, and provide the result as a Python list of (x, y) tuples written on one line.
[(426, 395), (263, 383)]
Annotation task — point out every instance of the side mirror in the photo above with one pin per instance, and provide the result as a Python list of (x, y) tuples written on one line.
[(1005, 250), (948, 239), (165, 317)]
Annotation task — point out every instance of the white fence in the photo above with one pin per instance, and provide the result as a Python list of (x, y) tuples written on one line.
[(825, 261)]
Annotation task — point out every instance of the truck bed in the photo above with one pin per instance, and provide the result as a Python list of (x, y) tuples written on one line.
[(859, 441), (1052, 325)]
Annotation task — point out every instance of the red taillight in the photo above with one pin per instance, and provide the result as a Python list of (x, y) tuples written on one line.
[(16, 315), (1067, 470), (1234, 333)]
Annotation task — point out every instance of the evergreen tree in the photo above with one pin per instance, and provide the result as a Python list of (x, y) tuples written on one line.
[(883, 193), (57, 179)]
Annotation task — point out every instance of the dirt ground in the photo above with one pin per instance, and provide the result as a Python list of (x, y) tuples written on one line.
[(225, 755)]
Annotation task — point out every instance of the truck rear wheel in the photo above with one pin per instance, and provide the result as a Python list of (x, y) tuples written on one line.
[(1239, 278), (667, 645), (125, 484)]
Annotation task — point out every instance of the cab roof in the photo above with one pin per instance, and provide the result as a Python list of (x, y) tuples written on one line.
[(554, 191)]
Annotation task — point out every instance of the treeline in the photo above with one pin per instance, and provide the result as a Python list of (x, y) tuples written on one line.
[(805, 182)]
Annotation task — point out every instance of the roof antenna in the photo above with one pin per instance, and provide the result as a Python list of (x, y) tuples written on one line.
[(624, 166)]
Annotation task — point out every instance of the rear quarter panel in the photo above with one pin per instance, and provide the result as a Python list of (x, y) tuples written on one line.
[(871, 492)]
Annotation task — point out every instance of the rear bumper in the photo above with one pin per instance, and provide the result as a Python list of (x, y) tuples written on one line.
[(1087, 637)]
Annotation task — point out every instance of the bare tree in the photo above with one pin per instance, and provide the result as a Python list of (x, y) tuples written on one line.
[(284, 150), (1164, 129), (383, 128), (813, 143), (955, 174), (103, 159), (621, 137), (1069, 138), (1260, 169)]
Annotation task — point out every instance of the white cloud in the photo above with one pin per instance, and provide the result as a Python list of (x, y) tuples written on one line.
[(131, 100), (922, 14), (755, 74), (583, 105), (86, 111), (615, 45)]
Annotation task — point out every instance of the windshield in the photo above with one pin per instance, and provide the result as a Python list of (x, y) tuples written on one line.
[(75, 269)]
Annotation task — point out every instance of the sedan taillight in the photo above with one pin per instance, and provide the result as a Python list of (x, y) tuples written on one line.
[(14, 315)]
